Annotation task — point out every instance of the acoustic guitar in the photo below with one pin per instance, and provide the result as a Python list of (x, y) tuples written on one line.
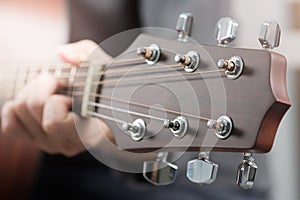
[(174, 95)]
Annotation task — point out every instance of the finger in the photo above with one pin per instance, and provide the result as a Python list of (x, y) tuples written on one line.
[(34, 129), (58, 122), (25, 118), (56, 113), (83, 51), (36, 93), (10, 124)]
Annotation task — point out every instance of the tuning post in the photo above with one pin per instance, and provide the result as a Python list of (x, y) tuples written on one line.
[(269, 35), (246, 171), (223, 126), (151, 53), (233, 67), (190, 61), (160, 171), (178, 126), (137, 129), (184, 26), (201, 170), (225, 31)]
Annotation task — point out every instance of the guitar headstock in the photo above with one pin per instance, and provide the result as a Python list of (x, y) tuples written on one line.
[(178, 95)]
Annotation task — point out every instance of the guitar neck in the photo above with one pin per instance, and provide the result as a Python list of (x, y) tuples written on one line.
[(14, 78)]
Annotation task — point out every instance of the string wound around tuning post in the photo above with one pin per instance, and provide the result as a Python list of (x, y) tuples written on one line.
[(151, 53)]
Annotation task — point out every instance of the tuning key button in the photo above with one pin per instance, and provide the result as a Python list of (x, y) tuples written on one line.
[(178, 126), (225, 31), (233, 67), (137, 129), (223, 126), (184, 26), (246, 172), (151, 53), (269, 35), (190, 61), (201, 170), (160, 172)]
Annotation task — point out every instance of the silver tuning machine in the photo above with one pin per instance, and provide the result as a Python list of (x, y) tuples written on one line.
[(160, 172), (269, 35), (151, 53), (189, 61), (223, 126), (225, 31), (136, 130), (201, 170), (184, 26), (233, 67), (246, 172), (178, 126)]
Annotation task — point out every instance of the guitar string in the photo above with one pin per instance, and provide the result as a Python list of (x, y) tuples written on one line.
[(81, 74), (98, 83), (82, 83), (95, 114), (121, 71), (147, 106), (144, 105), (172, 75), (62, 66), (113, 71), (100, 105), (30, 77)]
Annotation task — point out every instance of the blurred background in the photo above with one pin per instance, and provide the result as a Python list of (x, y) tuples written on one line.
[(32, 30)]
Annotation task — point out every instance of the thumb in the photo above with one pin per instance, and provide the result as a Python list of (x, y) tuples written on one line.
[(83, 51)]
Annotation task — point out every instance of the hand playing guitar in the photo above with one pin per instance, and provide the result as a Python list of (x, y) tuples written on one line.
[(40, 115)]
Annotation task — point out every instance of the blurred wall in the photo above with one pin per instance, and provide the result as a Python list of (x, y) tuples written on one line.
[(283, 160)]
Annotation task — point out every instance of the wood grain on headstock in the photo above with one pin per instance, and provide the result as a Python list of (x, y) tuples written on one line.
[(256, 101)]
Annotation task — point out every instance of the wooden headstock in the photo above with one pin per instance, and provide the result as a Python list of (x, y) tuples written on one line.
[(255, 101), (166, 95)]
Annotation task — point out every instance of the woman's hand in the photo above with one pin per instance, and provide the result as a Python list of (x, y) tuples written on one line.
[(40, 115)]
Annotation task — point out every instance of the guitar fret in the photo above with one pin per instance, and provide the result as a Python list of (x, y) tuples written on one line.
[(58, 71), (71, 79)]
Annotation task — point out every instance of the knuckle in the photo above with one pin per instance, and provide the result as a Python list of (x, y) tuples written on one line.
[(54, 98), (69, 153), (7, 128), (49, 149), (50, 126), (34, 104), (69, 148), (6, 108), (19, 105), (87, 42)]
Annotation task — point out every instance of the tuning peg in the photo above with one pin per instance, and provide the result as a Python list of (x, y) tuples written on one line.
[(234, 67), (222, 126), (246, 171), (269, 35), (151, 53), (225, 31), (178, 126), (160, 172), (137, 129), (201, 170), (190, 61), (184, 26)]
